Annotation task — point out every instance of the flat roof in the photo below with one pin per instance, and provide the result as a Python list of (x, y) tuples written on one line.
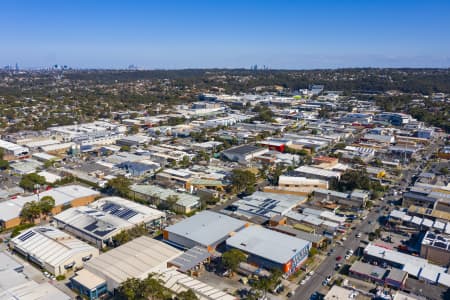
[(186, 200), (88, 279), (317, 171), (206, 227), (8, 263), (191, 258), (268, 244)]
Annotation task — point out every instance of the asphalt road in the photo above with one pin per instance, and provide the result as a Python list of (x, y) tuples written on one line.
[(326, 268)]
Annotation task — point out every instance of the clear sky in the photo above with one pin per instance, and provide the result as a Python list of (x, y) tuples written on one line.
[(225, 33)]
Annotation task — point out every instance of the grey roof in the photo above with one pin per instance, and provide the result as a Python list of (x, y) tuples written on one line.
[(8, 263), (310, 237), (191, 258), (396, 275), (268, 244), (242, 150), (206, 227), (419, 197), (368, 270)]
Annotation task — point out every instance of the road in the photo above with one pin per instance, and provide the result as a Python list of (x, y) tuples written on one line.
[(304, 292), (326, 268)]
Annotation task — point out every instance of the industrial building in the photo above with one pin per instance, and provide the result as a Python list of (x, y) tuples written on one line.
[(267, 205), (317, 173), (15, 285), (436, 248), (206, 229), (416, 267), (244, 153), (13, 151), (99, 222), (390, 277), (135, 259), (270, 249), (178, 282), (69, 195), (355, 199), (185, 203), (53, 250)]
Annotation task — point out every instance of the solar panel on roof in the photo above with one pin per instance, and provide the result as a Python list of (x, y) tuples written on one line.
[(440, 245), (91, 227), (103, 232), (26, 235)]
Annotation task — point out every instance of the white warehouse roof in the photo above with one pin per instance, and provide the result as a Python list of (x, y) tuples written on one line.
[(135, 259), (206, 227), (50, 245), (268, 244)]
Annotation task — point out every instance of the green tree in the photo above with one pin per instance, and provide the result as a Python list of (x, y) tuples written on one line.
[(30, 211), (266, 284), (134, 129), (130, 289), (46, 204), (243, 180), (312, 252), (187, 295), (29, 181), (232, 258), (4, 164), (119, 186)]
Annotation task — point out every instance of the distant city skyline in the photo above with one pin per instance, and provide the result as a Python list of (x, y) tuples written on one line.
[(225, 34)]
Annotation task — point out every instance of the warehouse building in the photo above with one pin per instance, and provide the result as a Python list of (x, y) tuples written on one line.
[(13, 151), (69, 195), (53, 250), (355, 199), (206, 229), (135, 259), (157, 195), (99, 222), (270, 249), (436, 248), (17, 286), (317, 173), (267, 205), (244, 153)]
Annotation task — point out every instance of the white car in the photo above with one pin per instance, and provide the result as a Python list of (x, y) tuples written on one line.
[(311, 273), (302, 282), (344, 238)]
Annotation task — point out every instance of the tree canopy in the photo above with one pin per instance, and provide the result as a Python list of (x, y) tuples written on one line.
[(119, 186), (243, 181), (29, 181), (232, 258)]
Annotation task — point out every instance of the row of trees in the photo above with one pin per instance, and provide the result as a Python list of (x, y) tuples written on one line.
[(128, 235), (36, 209), (357, 179), (150, 288)]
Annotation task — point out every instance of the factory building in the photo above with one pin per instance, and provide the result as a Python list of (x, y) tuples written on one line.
[(53, 250), (206, 229), (270, 249)]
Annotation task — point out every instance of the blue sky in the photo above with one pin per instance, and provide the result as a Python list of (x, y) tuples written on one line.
[(230, 33)]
